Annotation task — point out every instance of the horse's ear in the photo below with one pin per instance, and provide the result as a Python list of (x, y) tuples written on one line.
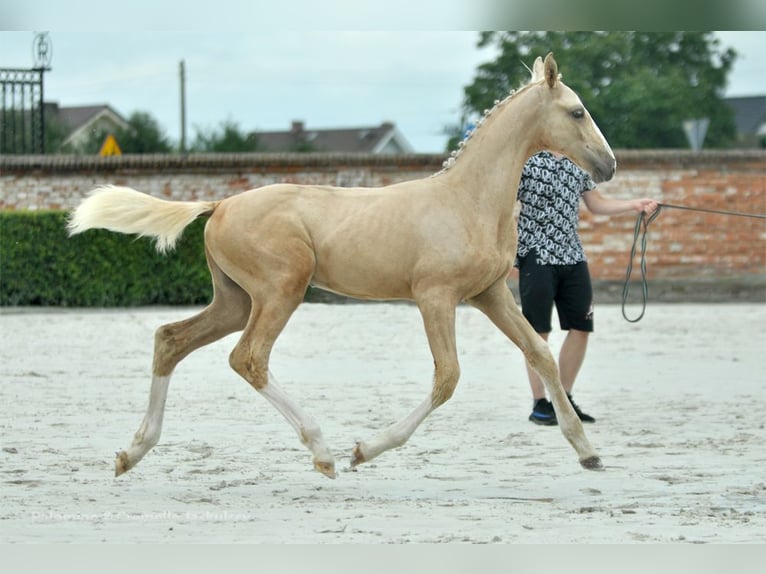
[(538, 72), (551, 70)]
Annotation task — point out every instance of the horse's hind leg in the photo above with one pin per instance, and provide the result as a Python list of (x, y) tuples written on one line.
[(250, 359), (226, 314)]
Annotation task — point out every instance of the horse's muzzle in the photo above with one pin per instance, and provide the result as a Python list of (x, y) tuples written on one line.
[(604, 170)]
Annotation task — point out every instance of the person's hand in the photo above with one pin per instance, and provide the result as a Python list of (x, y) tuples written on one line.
[(645, 205)]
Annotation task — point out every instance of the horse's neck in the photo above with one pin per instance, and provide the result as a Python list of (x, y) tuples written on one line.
[(487, 170)]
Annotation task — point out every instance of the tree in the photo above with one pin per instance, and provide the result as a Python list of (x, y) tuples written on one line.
[(55, 134), (638, 86), (230, 138), (143, 135)]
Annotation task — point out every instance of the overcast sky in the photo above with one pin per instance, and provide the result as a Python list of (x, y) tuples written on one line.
[(266, 79)]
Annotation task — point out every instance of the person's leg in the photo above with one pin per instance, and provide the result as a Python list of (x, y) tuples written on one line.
[(571, 357), (574, 305), (536, 291)]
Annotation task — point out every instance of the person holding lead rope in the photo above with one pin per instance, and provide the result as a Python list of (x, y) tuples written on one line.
[(552, 264)]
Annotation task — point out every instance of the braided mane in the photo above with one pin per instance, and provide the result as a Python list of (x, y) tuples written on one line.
[(455, 154)]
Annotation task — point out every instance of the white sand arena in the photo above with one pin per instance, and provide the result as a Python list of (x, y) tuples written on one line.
[(679, 399)]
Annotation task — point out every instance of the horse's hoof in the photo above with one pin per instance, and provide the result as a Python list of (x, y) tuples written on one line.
[(357, 457), (592, 463), (121, 464), (326, 468)]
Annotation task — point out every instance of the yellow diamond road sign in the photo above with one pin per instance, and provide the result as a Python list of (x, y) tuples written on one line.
[(110, 147)]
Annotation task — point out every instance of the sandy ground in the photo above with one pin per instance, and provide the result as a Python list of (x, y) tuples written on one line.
[(679, 400)]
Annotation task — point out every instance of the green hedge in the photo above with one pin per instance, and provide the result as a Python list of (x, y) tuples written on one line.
[(41, 265)]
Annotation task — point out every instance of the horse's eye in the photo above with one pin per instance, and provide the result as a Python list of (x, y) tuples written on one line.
[(578, 113)]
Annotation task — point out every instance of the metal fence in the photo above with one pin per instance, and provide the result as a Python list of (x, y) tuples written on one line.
[(22, 113)]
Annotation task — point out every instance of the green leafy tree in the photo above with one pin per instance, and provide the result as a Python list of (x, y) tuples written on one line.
[(143, 135), (638, 86), (55, 134), (228, 138)]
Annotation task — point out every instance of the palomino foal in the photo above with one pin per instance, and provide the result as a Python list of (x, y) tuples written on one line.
[(437, 241)]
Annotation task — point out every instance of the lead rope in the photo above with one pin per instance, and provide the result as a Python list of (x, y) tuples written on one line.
[(643, 221)]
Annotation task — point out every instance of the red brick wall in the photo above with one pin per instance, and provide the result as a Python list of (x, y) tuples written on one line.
[(684, 243), (681, 244)]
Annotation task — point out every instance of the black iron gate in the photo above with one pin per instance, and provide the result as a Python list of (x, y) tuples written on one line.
[(22, 112)]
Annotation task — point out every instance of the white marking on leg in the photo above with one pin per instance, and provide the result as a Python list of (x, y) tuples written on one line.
[(148, 433), (398, 433), (308, 430)]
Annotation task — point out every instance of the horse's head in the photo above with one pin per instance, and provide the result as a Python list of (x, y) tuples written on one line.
[(567, 127)]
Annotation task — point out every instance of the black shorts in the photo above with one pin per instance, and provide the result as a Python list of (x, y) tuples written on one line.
[(568, 286)]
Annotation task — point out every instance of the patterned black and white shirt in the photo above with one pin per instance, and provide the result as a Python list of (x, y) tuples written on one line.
[(549, 192)]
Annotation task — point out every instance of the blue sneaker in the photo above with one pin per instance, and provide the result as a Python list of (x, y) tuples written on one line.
[(543, 413)]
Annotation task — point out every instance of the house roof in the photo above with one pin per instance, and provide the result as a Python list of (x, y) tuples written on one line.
[(78, 119), (749, 114), (381, 139)]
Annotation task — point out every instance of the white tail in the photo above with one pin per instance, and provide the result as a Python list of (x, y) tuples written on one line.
[(126, 210)]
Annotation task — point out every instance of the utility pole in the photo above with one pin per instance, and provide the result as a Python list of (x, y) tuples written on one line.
[(182, 71)]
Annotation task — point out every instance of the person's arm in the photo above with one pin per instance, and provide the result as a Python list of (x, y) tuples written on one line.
[(600, 205)]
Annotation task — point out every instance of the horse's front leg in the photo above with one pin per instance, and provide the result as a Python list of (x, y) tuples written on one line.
[(498, 304), (438, 311)]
